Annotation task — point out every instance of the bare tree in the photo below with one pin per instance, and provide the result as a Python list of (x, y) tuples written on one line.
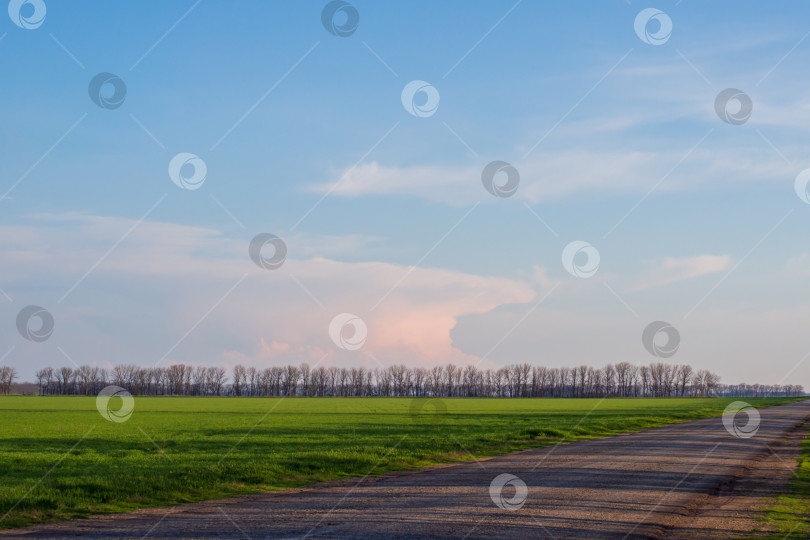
[(7, 376)]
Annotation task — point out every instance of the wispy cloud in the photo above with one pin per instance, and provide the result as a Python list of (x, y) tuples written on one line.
[(675, 269), (554, 176)]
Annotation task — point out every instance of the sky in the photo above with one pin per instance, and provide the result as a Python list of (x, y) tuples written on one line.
[(146, 147)]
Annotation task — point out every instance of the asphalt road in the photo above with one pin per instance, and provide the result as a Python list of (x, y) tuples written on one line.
[(639, 485)]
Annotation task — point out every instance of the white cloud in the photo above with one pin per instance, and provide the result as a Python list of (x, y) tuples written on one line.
[(165, 280)]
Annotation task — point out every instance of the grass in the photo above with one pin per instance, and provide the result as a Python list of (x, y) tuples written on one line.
[(60, 459), (791, 511)]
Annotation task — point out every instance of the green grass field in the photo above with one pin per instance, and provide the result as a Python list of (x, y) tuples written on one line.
[(60, 459)]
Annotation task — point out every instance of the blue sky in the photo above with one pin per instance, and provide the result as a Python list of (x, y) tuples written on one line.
[(597, 122)]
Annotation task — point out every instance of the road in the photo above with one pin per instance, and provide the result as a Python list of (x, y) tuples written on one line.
[(646, 484)]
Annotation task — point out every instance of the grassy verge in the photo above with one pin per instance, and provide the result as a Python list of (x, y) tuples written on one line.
[(791, 511), (60, 459)]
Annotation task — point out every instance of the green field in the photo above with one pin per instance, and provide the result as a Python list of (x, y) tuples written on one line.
[(60, 459)]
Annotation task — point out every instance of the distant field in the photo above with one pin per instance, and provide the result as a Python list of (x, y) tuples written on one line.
[(174, 450)]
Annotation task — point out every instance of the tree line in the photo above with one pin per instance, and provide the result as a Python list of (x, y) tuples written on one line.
[(520, 380)]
